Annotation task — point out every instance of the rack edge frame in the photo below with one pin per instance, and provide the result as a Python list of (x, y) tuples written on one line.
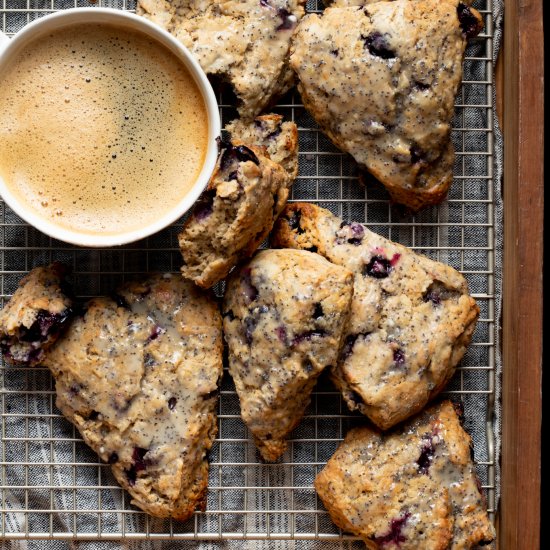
[(522, 88)]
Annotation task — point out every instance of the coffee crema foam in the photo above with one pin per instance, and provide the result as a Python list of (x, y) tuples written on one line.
[(102, 129)]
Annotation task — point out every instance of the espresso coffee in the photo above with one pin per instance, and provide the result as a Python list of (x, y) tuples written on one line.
[(102, 129)]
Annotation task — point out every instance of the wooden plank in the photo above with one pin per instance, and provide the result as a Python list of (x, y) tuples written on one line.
[(519, 521)]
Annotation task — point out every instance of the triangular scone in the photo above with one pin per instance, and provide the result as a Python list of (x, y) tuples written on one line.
[(414, 488), (411, 317), (381, 81), (284, 315), (234, 215), (246, 42), (138, 377), (38, 312), (348, 3), (269, 131)]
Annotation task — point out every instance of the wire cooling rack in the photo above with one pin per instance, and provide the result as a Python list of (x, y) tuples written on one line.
[(53, 486)]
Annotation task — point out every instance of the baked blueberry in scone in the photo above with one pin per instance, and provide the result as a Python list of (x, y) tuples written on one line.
[(284, 313), (410, 322), (381, 81), (246, 42), (234, 215), (412, 488), (38, 312), (269, 131), (138, 375)]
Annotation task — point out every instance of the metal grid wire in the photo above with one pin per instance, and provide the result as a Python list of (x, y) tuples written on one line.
[(53, 486)]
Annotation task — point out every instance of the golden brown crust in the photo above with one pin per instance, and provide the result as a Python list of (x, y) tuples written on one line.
[(284, 314), (381, 81), (362, 3), (414, 487), (279, 138), (246, 42), (36, 315), (411, 317), (438, 176), (138, 377), (285, 236)]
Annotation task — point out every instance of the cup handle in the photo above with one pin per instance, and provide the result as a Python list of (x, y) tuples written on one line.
[(4, 41)]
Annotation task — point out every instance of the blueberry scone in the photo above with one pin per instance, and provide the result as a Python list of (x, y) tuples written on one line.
[(413, 488), (347, 3), (381, 81), (411, 317), (284, 313), (269, 131), (38, 312), (234, 215), (138, 377), (246, 42)]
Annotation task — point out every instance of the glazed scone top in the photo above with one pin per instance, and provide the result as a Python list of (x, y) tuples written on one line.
[(410, 321), (284, 315), (245, 41), (414, 488), (138, 377), (381, 82), (348, 3)]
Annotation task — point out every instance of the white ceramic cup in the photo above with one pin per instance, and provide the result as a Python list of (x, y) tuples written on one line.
[(10, 48)]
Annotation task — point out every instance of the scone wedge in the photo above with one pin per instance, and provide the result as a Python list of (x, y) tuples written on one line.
[(381, 81), (138, 375), (284, 315), (413, 488), (246, 43), (349, 3), (38, 312), (242, 200), (411, 317)]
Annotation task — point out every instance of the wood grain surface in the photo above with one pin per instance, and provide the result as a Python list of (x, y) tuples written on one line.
[(523, 81)]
